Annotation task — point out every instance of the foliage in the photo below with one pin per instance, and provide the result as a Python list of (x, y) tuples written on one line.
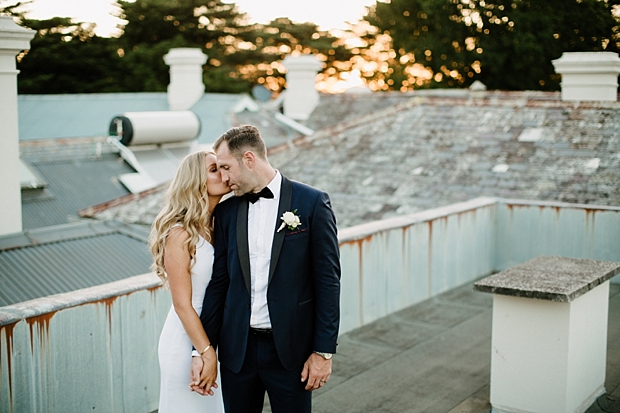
[(67, 57), (506, 44)]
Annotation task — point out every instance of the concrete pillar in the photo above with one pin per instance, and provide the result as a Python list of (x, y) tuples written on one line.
[(589, 75), (13, 39), (301, 95), (549, 335), (186, 86)]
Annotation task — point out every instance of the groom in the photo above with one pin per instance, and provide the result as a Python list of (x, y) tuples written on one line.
[(272, 306)]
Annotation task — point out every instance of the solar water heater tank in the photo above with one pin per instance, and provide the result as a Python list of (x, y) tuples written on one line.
[(141, 128)]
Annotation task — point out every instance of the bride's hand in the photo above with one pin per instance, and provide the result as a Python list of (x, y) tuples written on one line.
[(194, 375), (208, 374)]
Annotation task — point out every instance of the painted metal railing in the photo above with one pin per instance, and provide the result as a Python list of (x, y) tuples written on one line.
[(96, 349)]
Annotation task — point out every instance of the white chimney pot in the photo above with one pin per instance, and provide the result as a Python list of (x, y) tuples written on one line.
[(186, 86), (301, 96), (13, 39), (589, 75)]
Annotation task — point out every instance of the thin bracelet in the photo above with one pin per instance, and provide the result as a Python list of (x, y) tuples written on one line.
[(205, 350)]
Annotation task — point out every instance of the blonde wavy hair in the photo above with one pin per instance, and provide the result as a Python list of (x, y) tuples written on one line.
[(185, 203)]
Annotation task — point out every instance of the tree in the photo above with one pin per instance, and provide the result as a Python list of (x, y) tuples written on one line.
[(507, 44), (155, 26), (67, 57), (240, 54)]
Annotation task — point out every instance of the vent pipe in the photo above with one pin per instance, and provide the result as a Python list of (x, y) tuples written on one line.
[(186, 86), (589, 75), (13, 40), (301, 96)]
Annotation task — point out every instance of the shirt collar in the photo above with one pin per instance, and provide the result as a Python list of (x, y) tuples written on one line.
[(275, 185)]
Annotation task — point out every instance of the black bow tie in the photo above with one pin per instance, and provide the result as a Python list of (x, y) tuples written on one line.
[(264, 193)]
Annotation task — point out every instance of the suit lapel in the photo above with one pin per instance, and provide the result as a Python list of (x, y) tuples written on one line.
[(286, 194), (242, 242)]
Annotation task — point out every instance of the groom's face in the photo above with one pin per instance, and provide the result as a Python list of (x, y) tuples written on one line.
[(234, 171)]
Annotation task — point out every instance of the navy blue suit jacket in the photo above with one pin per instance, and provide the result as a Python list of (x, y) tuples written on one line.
[(303, 294)]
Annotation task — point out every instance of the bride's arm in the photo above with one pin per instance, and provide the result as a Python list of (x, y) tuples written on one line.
[(177, 264)]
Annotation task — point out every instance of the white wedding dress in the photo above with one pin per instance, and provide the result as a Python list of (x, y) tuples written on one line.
[(175, 349)]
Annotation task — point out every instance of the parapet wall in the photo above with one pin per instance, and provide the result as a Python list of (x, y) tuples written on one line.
[(96, 349)]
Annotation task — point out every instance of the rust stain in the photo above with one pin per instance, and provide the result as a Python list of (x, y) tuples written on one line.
[(360, 244), (514, 206), (8, 334), (358, 241), (43, 323), (108, 304)]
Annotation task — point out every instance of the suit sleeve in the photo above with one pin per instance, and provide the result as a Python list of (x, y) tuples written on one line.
[(325, 257), (215, 295)]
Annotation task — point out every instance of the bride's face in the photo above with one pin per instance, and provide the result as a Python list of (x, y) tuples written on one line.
[(215, 186)]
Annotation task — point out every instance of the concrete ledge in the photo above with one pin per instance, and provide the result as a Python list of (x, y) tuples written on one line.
[(550, 278), (364, 230), (13, 313)]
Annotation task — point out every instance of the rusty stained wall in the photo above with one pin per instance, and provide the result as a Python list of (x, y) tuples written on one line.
[(392, 269), (98, 356), (526, 230), (386, 270)]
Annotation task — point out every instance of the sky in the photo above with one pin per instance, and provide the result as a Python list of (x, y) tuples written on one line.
[(328, 14)]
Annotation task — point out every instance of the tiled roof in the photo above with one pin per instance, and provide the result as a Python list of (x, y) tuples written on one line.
[(435, 148), (65, 258), (336, 108)]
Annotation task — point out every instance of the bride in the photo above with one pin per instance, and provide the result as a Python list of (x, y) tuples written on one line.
[(183, 257)]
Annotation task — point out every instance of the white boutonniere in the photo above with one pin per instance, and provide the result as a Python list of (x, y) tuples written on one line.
[(289, 220)]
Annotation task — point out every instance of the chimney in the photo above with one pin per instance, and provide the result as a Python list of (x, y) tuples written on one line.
[(13, 39), (186, 87), (589, 75), (301, 96)]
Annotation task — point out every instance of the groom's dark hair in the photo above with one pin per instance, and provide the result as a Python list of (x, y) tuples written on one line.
[(243, 138)]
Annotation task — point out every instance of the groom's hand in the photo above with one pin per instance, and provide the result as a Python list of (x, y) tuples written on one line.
[(316, 371)]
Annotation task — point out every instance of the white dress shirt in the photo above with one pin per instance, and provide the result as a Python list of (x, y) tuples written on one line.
[(262, 216)]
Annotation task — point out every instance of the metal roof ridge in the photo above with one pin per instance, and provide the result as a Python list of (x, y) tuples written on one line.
[(91, 211), (81, 96), (71, 231)]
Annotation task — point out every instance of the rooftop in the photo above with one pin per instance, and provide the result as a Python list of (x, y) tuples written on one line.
[(77, 172), (435, 148), (64, 258), (435, 357), (69, 116)]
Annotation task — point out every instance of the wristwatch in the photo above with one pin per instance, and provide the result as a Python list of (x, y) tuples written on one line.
[(326, 356)]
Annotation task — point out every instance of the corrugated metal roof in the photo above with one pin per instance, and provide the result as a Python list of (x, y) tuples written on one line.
[(88, 115), (69, 257), (73, 184), (79, 115)]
